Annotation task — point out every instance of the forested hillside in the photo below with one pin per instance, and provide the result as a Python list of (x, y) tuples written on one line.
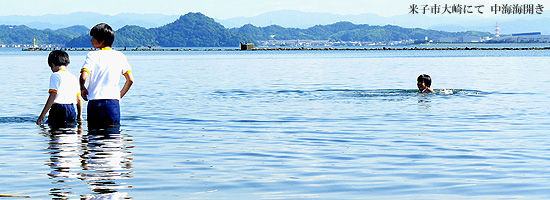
[(199, 30), (347, 31)]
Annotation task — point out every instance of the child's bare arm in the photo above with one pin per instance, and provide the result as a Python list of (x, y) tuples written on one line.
[(79, 107), (129, 81), (82, 81), (47, 107)]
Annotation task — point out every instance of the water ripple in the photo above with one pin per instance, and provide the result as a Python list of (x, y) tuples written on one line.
[(17, 119)]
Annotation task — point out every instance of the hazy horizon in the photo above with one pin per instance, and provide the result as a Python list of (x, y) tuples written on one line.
[(235, 8)]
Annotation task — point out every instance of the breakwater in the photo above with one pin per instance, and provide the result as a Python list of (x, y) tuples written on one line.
[(403, 49), (309, 49)]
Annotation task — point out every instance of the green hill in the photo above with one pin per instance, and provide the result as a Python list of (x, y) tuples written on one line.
[(15, 35), (190, 30), (197, 30)]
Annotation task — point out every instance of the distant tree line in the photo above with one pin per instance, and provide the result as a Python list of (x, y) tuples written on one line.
[(198, 30), (347, 31)]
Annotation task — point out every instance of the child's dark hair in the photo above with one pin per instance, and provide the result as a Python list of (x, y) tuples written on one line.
[(103, 32), (58, 58), (426, 79)]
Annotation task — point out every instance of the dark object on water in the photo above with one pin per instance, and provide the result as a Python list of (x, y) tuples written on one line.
[(247, 46)]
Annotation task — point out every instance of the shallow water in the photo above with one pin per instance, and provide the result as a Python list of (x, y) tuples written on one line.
[(292, 125)]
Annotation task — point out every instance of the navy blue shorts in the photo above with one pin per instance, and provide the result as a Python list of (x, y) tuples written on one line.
[(103, 113), (62, 116)]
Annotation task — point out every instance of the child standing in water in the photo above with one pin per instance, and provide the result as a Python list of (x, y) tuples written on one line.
[(103, 68), (64, 93), (424, 82)]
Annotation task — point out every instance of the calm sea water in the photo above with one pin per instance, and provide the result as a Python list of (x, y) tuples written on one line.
[(290, 125)]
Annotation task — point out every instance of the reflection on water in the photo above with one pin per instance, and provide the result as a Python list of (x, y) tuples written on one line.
[(104, 161), (424, 103), (100, 159)]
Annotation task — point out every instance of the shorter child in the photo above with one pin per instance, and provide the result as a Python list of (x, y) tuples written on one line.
[(424, 82), (64, 93)]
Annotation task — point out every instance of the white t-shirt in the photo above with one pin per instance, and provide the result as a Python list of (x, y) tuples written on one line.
[(65, 85), (105, 67)]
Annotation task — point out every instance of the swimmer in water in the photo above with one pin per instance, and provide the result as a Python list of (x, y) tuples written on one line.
[(424, 82)]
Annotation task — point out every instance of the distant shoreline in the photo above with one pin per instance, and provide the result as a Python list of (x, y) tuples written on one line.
[(423, 48)]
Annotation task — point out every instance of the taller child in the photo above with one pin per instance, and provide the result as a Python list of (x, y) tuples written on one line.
[(104, 68)]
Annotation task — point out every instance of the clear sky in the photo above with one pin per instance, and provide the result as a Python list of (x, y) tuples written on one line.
[(223, 9)]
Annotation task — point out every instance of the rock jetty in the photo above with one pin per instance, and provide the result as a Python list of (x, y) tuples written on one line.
[(312, 49)]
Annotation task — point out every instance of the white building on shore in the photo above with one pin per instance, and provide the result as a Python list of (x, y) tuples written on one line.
[(524, 37)]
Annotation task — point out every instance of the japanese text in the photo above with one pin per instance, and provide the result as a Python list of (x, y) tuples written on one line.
[(505, 9)]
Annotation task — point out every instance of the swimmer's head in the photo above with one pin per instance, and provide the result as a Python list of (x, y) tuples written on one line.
[(423, 81), (426, 79)]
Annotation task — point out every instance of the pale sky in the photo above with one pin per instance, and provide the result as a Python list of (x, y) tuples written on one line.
[(224, 9)]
